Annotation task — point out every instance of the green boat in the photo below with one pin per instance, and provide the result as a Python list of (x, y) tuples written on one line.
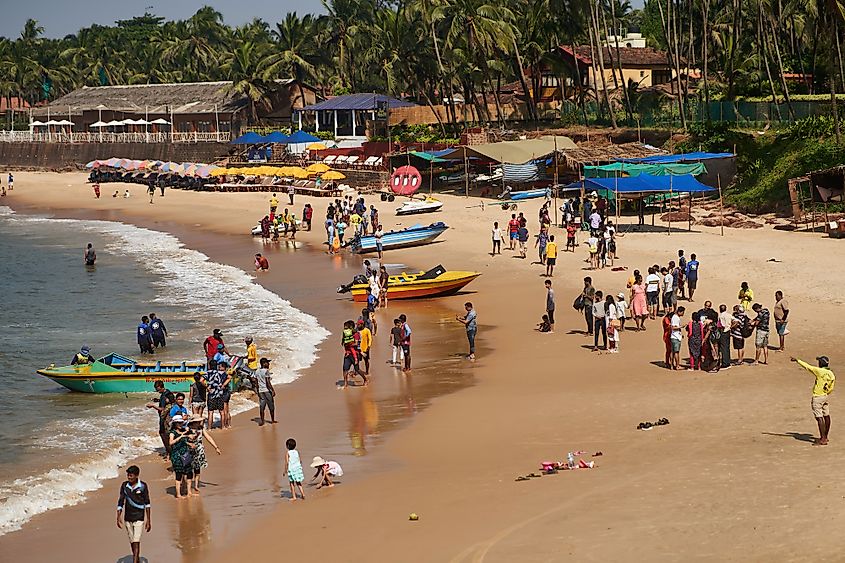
[(118, 374)]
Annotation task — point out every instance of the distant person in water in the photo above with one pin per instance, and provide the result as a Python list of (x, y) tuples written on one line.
[(158, 331), (83, 357), (90, 255), (145, 340)]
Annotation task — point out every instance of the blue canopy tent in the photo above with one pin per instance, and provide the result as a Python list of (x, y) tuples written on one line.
[(276, 137), (636, 187), (249, 138), (685, 157)]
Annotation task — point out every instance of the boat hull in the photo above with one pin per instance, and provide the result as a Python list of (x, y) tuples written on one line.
[(400, 239), (143, 383), (528, 194), (419, 209), (417, 290)]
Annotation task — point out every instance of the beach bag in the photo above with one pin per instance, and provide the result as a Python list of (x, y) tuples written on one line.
[(747, 329), (578, 304), (187, 458)]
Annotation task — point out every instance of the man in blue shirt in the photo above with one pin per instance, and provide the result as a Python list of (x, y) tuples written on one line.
[(692, 275), (469, 321), (145, 340), (179, 407), (158, 331), (221, 356)]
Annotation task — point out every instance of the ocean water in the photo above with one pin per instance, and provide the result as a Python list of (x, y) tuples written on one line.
[(59, 445)]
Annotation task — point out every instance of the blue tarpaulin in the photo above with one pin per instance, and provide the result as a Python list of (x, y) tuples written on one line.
[(250, 138), (686, 157), (644, 183)]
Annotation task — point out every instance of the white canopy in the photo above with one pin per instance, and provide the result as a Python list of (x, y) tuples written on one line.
[(65, 122), (128, 122), (99, 124), (113, 123), (53, 122), (160, 121), (37, 124), (141, 122)]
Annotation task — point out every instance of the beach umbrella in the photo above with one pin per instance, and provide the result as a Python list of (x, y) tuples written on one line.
[(37, 124), (159, 121), (111, 162), (302, 137), (276, 137), (318, 168), (98, 124), (220, 172), (205, 171), (65, 122), (333, 175), (250, 138), (93, 164), (52, 122), (114, 123), (316, 147)]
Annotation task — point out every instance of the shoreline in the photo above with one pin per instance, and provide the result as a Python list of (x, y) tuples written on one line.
[(363, 426), (720, 482)]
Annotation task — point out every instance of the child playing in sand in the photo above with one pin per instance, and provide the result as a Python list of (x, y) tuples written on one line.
[(325, 471), (545, 325), (293, 469)]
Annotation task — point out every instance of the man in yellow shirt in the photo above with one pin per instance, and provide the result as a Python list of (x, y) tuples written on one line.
[(251, 354), (274, 204), (825, 381), (551, 256), (365, 344)]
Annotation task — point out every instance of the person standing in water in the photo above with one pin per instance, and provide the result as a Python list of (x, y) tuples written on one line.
[(158, 331), (90, 255), (145, 341)]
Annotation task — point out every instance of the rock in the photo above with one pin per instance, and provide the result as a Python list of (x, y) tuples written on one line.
[(746, 225), (715, 222), (785, 227), (676, 217)]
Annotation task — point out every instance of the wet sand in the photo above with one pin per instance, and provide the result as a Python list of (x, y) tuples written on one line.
[(733, 476)]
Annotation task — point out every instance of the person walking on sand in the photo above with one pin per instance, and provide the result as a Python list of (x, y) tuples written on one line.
[(470, 322), (588, 295), (550, 304), (781, 318), (90, 255), (97, 191), (621, 309), (682, 272), (497, 239), (613, 325), (639, 307), (396, 335), (551, 256), (151, 191), (293, 469), (513, 227), (823, 387), (11, 182), (541, 243), (262, 380), (691, 272), (406, 342), (599, 322), (274, 204), (761, 340), (522, 237), (133, 510), (378, 235)]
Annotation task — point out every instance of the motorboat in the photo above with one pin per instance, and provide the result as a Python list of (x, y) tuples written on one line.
[(436, 282), (416, 206), (417, 235)]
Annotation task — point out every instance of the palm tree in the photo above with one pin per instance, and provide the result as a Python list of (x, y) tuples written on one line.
[(294, 52), (244, 67)]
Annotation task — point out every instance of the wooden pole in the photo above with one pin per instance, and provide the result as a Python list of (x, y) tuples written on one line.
[(431, 177), (555, 187), (669, 232), (689, 214), (466, 174), (721, 206)]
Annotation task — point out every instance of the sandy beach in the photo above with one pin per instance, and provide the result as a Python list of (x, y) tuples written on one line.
[(733, 477)]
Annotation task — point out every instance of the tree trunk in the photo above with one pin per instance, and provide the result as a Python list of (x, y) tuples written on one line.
[(597, 49), (705, 40), (580, 86), (629, 114), (450, 107), (833, 102), (532, 114), (780, 69), (763, 39), (670, 47)]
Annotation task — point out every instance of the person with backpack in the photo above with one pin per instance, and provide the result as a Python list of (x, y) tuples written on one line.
[(741, 329)]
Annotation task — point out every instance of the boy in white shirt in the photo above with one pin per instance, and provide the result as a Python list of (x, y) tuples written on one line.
[(621, 309)]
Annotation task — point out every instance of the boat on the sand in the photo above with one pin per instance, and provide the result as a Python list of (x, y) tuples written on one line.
[(391, 240), (531, 194), (115, 373), (436, 282), (416, 206)]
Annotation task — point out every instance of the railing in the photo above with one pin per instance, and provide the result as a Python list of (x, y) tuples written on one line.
[(104, 137)]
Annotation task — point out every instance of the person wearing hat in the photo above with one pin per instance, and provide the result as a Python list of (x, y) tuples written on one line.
[(621, 309), (325, 471), (262, 380), (825, 381), (210, 344), (180, 454), (196, 435), (221, 355), (83, 357)]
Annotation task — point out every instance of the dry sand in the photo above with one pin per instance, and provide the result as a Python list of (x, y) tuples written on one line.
[(732, 477)]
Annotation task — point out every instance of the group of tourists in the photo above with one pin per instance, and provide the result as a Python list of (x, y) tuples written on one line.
[(275, 226), (151, 334), (345, 215)]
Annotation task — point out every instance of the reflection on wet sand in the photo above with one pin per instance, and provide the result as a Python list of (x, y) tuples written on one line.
[(192, 533)]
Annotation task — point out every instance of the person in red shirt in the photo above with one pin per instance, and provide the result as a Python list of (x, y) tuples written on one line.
[(210, 344), (571, 229), (513, 227)]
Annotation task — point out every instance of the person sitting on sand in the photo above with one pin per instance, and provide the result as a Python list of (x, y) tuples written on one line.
[(126, 194), (825, 381), (325, 471)]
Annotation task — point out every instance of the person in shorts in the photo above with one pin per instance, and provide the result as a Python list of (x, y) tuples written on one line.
[(823, 387), (262, 379), (761, 341), (551, 256), (133, 510), (652, 292), (781, 318)]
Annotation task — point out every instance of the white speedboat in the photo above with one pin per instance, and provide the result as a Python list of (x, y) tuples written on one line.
[(415, 206)]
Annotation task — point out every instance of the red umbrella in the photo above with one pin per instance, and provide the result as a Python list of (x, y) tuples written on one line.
[(405, 180)]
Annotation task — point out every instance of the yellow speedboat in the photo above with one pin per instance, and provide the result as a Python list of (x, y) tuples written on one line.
[(434, 283)]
